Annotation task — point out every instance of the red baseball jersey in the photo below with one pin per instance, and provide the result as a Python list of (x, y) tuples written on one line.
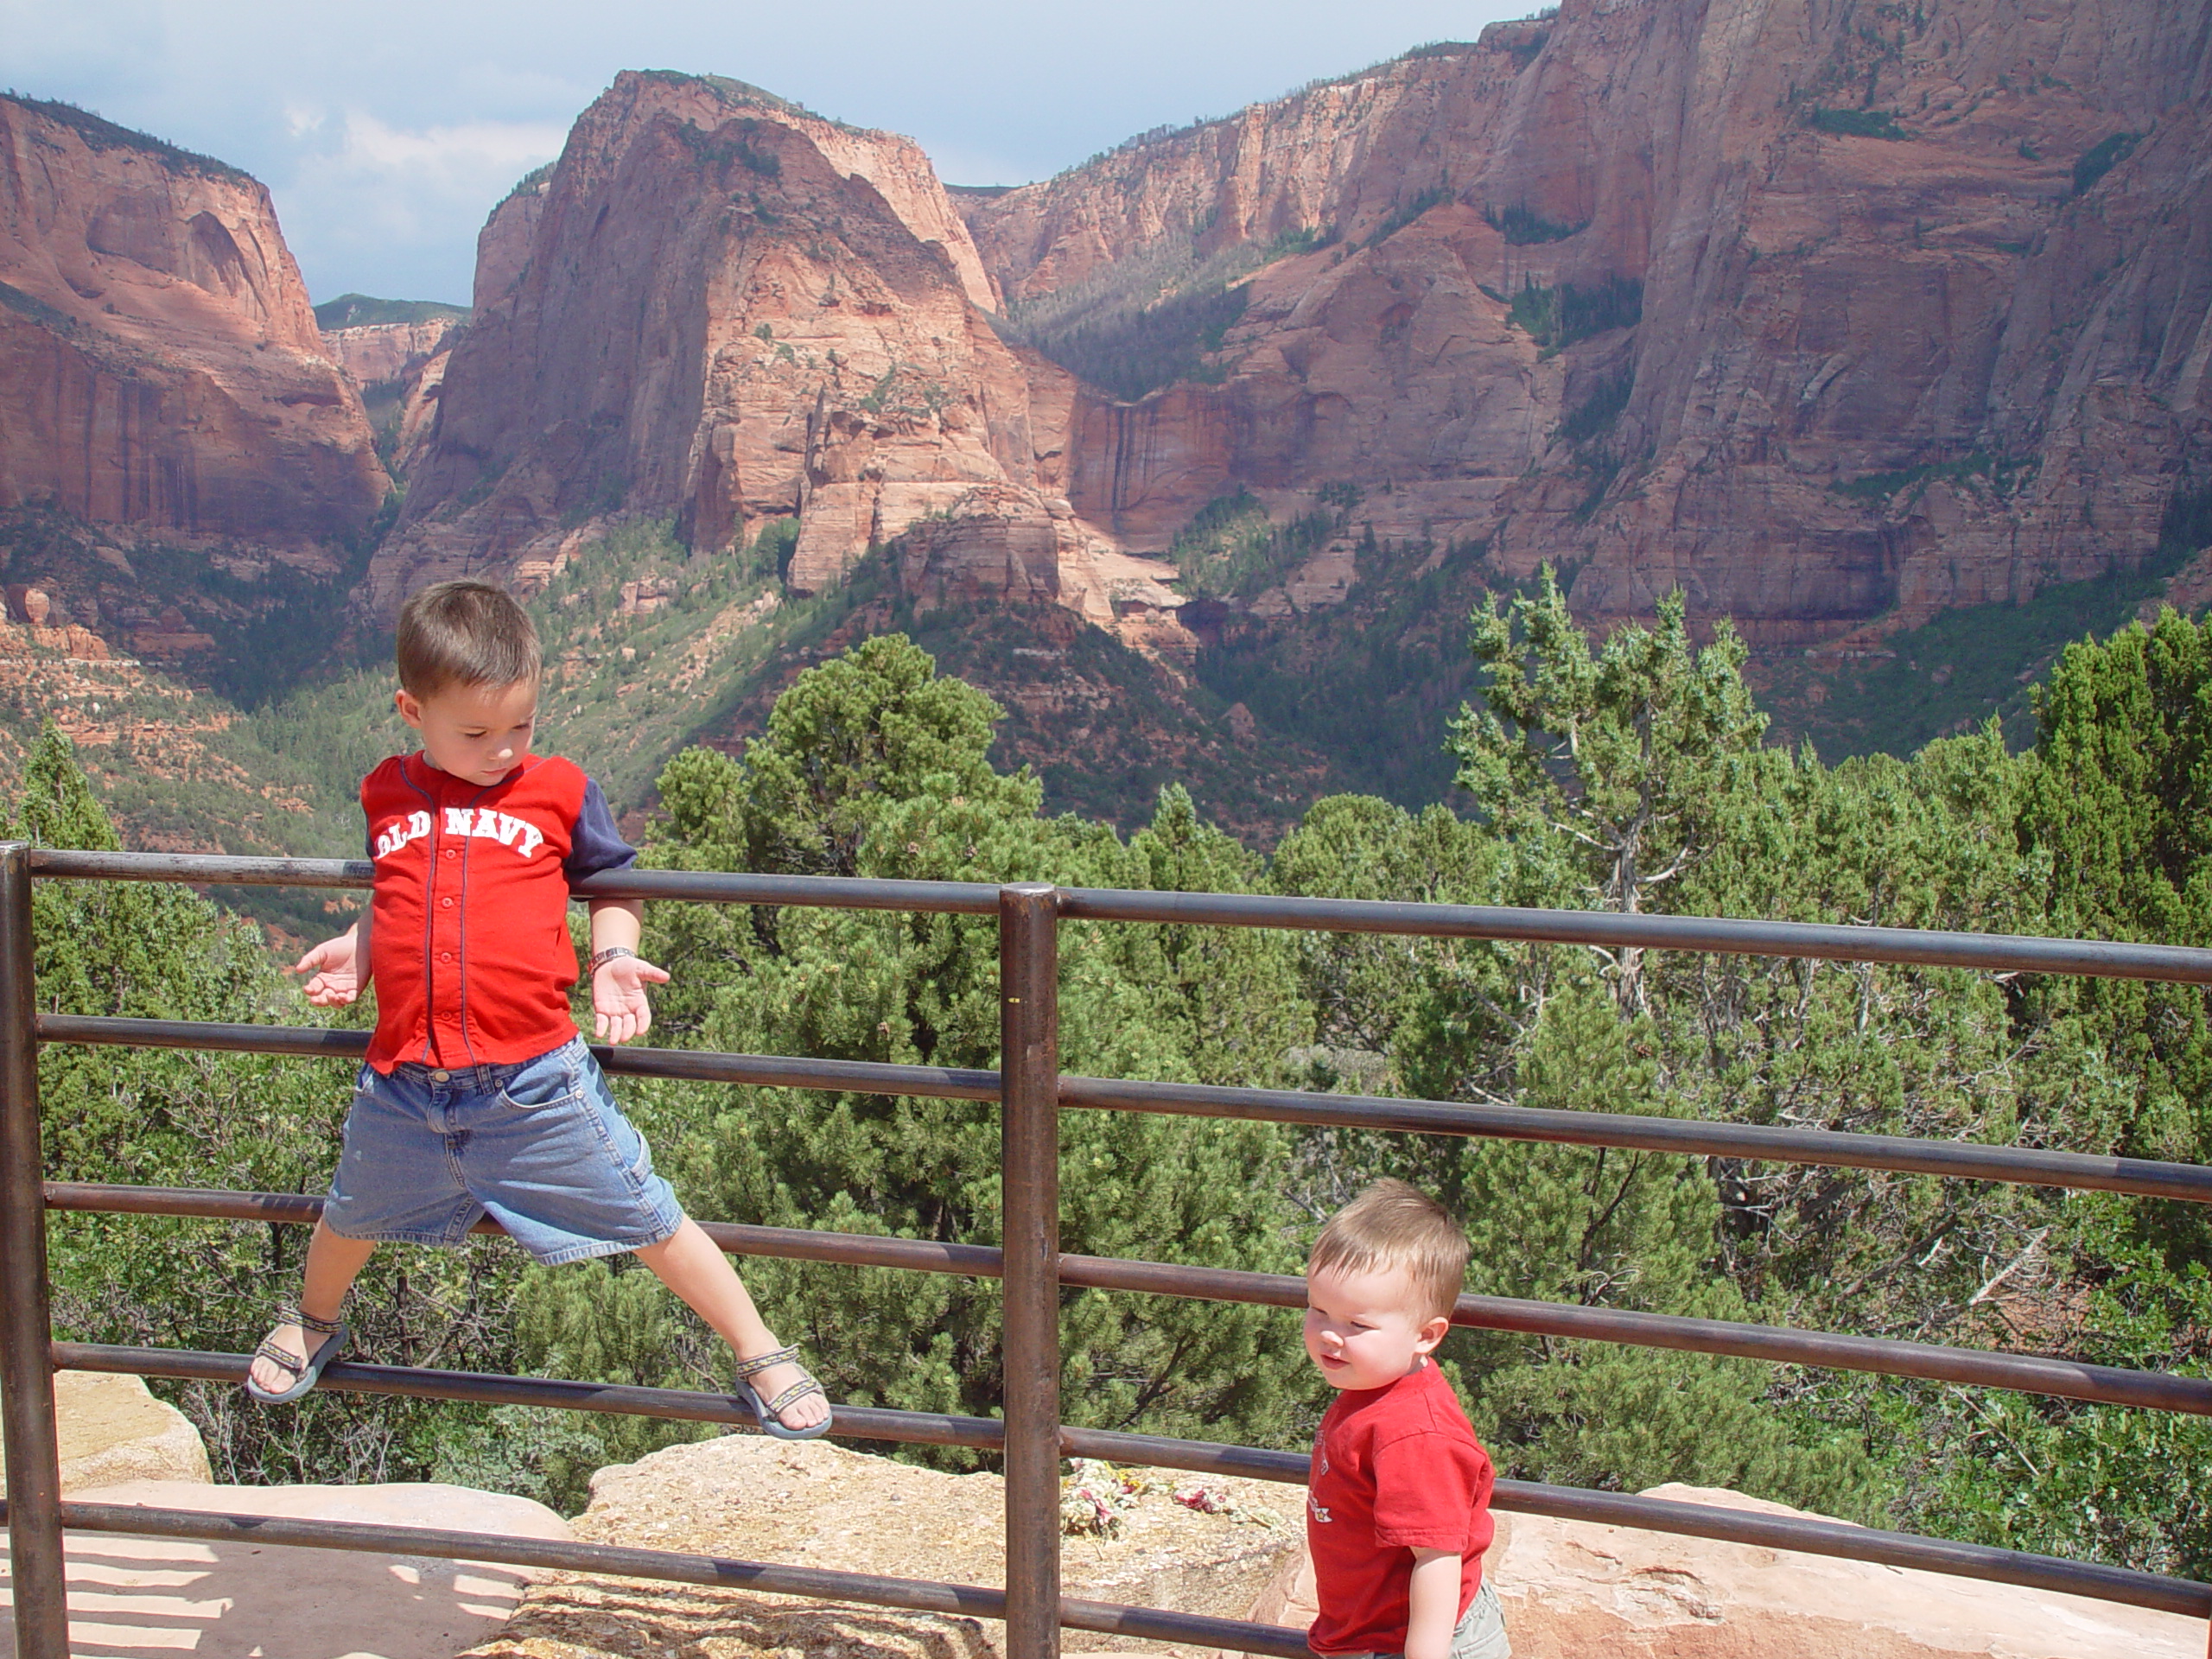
[(468, 939), (1394, 1470)]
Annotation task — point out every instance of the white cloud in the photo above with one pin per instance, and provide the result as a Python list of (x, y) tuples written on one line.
[(468, 151), (366, 200)]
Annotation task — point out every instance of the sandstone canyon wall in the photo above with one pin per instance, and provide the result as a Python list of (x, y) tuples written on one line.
[(377, 353), (159, 365), (721, 307), (1832, 312), (400, 370), (1912, 299)]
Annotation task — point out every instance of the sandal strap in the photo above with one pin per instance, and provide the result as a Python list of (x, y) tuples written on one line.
[(760, 1362), (793, 1394), (287, 1314), (295, 1363)]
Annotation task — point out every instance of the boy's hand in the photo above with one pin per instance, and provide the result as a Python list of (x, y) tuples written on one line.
[(335, 967), (619, 1008)]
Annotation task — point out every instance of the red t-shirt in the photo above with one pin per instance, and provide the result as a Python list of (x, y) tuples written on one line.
[(468, 938), (1394, 1470)]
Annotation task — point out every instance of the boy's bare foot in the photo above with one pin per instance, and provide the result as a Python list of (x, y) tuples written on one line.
[(805, 1412)]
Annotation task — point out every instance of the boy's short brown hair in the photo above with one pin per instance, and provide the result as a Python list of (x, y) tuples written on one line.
[(464, 633), (1393, 1225)]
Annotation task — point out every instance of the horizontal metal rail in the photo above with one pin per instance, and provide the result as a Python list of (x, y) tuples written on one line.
[(1983, 952), (760, 1071), (1808, 1535), (557, 1393), (869, 1589), (1691, 1137), (1972, 1367), (1716, 935)]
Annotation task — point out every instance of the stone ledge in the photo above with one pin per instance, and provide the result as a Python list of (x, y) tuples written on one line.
[(111, 1429)]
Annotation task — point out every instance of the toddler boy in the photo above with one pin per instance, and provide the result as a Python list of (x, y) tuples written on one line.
[(1397, 1506), (479, 1095)]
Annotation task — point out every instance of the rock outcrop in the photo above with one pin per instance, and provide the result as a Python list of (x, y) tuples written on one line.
[(1826, 320), (159, 365), (818, 1504), (1822, 317), (111, 1429), (721, 307), (1570, 1588), (399, 369), (378, 353)]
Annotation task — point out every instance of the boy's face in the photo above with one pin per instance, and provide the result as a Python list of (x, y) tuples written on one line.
[(1363, 1329), (477, 732)]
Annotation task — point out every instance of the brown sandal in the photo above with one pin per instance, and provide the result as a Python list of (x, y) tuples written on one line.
[(305, 1373), (769, 1413)]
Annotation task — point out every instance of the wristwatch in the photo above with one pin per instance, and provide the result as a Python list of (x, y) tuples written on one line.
[(601, 959)]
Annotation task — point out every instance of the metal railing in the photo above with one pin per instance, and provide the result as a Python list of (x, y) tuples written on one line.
[(1031, 1091)]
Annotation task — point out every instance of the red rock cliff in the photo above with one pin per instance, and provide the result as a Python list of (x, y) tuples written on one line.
[(1923, 294), (159, 365), (723, 308)]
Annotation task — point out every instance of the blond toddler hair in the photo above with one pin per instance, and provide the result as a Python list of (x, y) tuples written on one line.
[(1394, 1226)]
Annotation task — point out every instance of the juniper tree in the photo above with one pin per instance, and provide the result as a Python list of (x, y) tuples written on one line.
[(871, 766), (1601, 768)]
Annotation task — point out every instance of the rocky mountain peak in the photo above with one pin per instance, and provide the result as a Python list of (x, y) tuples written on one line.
[(723, 308), (159, 363)]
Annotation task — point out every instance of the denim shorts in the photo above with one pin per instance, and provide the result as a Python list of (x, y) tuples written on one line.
[(1480, 1633), (539, 1146)]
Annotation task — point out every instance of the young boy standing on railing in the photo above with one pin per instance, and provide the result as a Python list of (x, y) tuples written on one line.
[(479, 1095), (1397, 1504)]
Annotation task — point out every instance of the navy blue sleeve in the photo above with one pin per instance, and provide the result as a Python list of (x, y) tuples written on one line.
[(596, 844)]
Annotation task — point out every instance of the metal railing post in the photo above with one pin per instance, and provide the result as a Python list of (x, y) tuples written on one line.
[(1029, 1032), (35, 1558)]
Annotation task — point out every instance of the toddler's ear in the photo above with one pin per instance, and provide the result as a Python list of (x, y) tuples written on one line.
[(1431, 1334)]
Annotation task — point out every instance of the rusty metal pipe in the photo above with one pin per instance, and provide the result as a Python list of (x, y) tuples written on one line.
[(1717, 935), (418, 1382), (1808, 1536), (1029, 1035), (33, 1488), (918, 1595), (1981, 952), (693, 1065), (1689, 1137), (1805, 1535), (2063, 1379)]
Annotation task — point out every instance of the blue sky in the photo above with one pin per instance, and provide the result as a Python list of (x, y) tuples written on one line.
[(386, 130)]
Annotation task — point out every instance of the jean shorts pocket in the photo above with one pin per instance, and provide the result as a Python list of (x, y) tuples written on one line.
[(547, 1083)]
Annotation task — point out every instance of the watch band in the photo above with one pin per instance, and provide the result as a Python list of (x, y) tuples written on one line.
[(601, 959)]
